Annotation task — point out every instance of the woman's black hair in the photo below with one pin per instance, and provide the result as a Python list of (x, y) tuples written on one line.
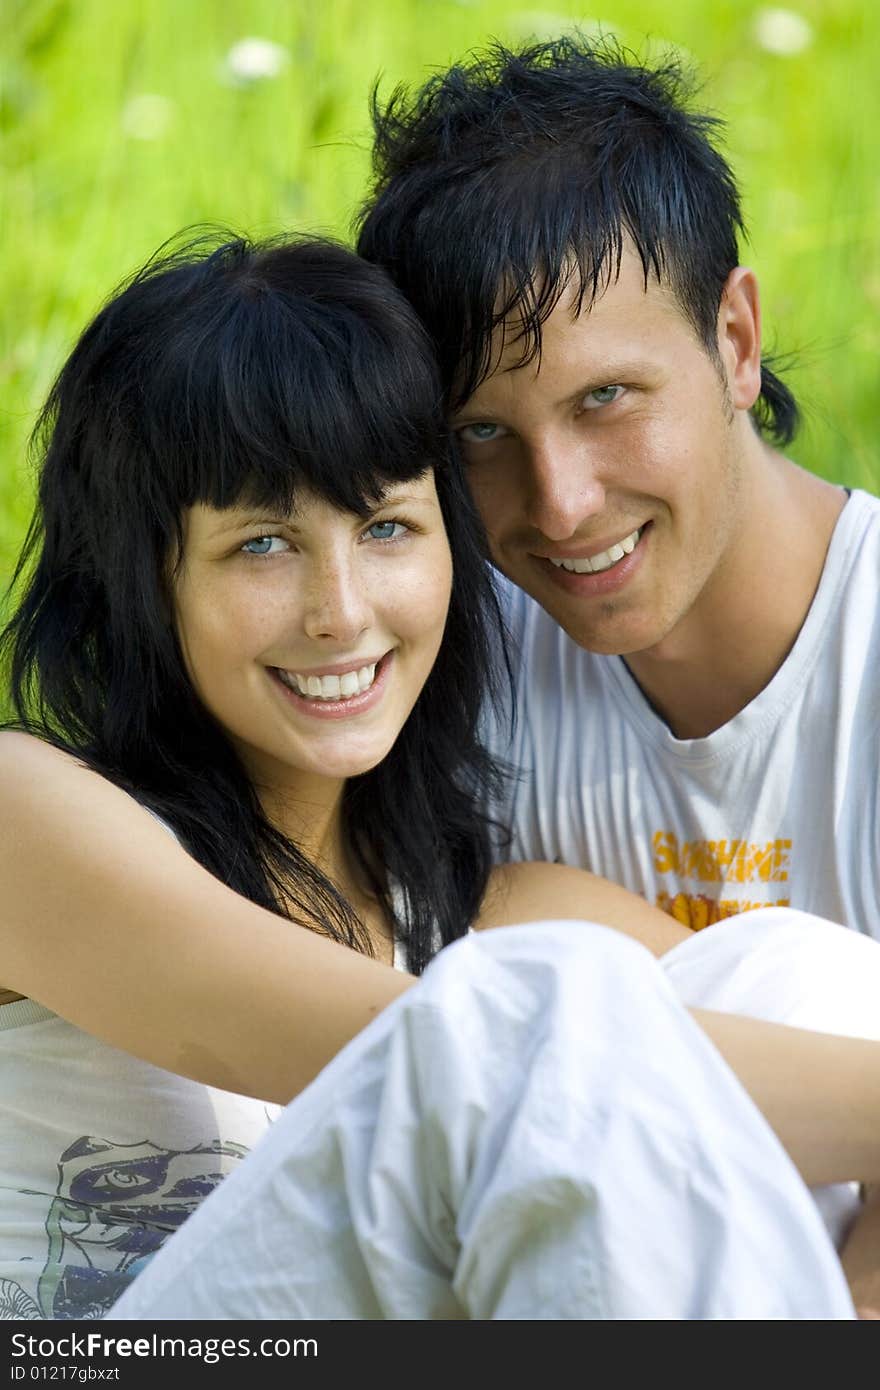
[(229, 372), (506, 178)]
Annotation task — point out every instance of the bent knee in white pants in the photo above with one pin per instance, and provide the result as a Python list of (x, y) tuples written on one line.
[(787, 967), (537, 1130)]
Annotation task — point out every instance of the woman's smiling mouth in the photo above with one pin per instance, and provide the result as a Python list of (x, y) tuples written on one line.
[(335, 694), (330, 687)]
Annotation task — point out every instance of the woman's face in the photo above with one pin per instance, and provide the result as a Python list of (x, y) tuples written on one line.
[(309, 636)]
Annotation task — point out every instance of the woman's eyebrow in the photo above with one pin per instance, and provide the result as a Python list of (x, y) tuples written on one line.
[(394, 499), (243, 520), (230, 522)]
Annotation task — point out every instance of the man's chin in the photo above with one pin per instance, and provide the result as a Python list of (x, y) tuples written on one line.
[(612, 612), (611, 628), (606, 643)]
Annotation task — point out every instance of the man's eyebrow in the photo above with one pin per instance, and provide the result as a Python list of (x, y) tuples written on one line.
[(616, 373), (609, 374), (612, 374)]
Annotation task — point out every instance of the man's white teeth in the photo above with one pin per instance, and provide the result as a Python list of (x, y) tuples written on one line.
[(331, 687), (604, 560)]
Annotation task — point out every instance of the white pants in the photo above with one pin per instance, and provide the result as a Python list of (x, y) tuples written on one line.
[(787, 967), (536, 1130)]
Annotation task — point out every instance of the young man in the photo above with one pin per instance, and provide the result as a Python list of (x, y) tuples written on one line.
[(699, 677)]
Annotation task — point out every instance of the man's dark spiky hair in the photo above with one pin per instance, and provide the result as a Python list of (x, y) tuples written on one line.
[(517, 173)]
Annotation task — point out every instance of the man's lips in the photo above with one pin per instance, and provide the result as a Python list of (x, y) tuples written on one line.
[(575, 574), (598, 557)]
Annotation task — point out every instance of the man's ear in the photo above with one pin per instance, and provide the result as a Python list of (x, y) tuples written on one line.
[(739, 336)]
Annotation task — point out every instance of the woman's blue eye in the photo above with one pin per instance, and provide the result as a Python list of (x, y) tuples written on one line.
[(385, 530), (262, 545)]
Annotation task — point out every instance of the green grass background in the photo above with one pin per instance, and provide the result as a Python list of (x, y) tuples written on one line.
[(84, 200)]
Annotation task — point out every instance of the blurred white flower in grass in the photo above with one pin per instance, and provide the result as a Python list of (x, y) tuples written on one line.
[(783, 32), (148, 116), (253, 60)]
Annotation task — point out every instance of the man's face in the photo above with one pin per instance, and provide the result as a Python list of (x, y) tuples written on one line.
[(610, 474)]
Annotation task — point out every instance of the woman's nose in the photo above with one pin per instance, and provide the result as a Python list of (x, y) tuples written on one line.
[(337, 605)]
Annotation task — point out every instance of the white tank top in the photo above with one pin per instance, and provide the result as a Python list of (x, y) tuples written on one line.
[(102, 1157)]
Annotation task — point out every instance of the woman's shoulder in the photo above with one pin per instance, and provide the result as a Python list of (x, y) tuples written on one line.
[(18, 743), (54, 810), (32, 769), (32, 766), (24, 754), (60, 814), (52, 807), (46, 789), (26, 762)]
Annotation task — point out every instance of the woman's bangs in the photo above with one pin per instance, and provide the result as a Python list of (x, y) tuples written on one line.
[(313, 408)]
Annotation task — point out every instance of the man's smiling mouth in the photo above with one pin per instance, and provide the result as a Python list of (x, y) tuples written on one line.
[(595, 564)]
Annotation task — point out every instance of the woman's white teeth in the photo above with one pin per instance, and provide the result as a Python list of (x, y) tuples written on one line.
[(604, 560), (331, 687)]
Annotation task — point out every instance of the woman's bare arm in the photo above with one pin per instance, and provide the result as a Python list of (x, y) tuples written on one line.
[(107, 921), (820, 1092), (860, 1258)]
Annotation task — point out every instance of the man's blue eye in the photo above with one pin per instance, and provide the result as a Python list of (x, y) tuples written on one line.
[(482, 430), (260, 545), (602, 395), (384, 530)]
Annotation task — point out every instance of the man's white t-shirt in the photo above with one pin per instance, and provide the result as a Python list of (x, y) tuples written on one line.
[(777, 807)]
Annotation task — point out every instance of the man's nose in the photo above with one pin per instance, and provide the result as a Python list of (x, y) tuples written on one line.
[(563, 489), (336, 602)]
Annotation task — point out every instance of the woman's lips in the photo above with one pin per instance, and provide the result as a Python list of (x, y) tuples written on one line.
[(344, 707)]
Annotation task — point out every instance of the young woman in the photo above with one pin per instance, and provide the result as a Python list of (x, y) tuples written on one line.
[(254, 633)]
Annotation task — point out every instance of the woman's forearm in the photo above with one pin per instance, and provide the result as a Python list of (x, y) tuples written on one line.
[(860, 1258), (819, 1092)]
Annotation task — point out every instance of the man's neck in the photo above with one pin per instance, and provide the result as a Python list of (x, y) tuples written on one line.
[(729, 648)]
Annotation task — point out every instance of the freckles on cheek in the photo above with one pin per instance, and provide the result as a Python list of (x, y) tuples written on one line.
[(429, 593), (205, 623), (420, 616)]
